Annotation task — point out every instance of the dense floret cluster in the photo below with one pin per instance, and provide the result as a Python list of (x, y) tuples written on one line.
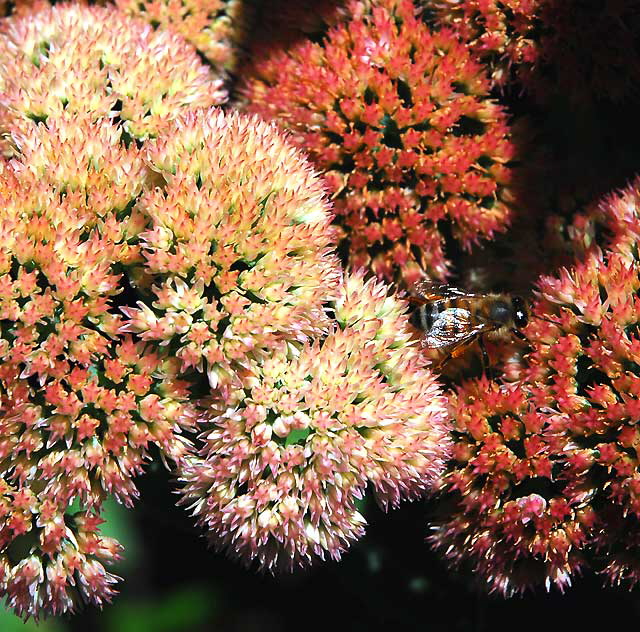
[(546, 473), (238, 246), (401, 121), (171, 287), (288, 453), (77, 59), (51, 559), (80, 405), (509, 512)]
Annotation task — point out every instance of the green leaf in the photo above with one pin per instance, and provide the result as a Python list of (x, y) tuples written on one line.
[(297, 436), (10, 622), (182, 610)]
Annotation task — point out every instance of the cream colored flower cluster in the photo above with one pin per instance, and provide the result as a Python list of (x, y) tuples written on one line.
[(168, 285)]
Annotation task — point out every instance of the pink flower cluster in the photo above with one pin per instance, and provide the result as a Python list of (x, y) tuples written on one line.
[(546, 472), (237, 249), (288, 453), (154, 248), (408, 141), (65, 554)]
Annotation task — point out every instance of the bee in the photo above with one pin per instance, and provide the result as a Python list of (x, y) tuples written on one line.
[(452, 319)]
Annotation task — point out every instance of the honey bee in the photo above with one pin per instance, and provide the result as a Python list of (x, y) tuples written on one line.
[(452, 319)]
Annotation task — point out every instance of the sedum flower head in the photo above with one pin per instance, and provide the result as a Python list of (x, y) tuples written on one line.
[(238, 247), (588, 359), (589, 49), (87, 161), (214, 27), (96, 59), (51, 558), (571, 420), (507, 510), (80, 405), (409, 141), (287, 455)]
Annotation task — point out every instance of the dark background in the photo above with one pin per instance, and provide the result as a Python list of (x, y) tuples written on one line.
[(389, 580)]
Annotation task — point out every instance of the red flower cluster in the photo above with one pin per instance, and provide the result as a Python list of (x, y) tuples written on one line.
[(589, 363), (562, 445), (400, 120), (586, 50), (508, 510)]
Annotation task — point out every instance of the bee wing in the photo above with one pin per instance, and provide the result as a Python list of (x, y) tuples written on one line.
[(429, 290), (453, 327)]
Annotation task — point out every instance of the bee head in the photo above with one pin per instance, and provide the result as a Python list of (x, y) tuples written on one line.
[(499, 311), (520, 316)]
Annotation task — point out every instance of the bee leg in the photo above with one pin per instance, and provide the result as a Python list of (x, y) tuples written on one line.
[(443, 361), (486, 365), (453, 352), (518, 334)]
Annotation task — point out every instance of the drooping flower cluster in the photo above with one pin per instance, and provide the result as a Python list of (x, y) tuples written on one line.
[(83, 59), (51, 559), (238, 247), (214, 27), (288, 454), (508, 511), (400, 120), (554, 47), (80, 405)]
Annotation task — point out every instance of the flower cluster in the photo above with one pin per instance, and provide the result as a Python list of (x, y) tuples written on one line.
[(587, 50), (51, 559), (507, 510), (588, 359), (563, 442), (96, 60), (88, 162), (400, 120), (288, 454), (80, 405), (238, 246), (215, 27)]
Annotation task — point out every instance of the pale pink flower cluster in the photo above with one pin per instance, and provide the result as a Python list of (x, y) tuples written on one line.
[(238, 247), (288, 454), (95, 59), (121, 184), (51, 559)]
